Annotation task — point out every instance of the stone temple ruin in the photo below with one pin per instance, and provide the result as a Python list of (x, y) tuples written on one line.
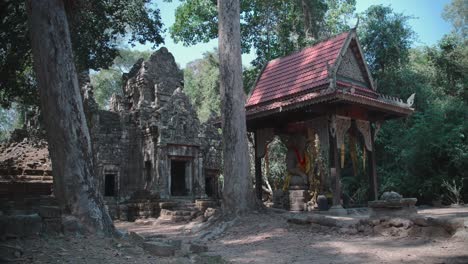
[(151, 151), (150, 145)]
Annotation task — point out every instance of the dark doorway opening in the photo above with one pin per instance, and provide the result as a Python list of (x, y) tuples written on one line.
[(178, 187), (109, 185), (209, 184), (148, 168)]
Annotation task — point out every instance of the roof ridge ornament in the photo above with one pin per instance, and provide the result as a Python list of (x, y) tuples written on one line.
[(410, 100), (357, 24), (332, 85)]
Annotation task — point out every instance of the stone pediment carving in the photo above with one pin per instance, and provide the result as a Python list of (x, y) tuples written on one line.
[(179, 123), (211, 144)]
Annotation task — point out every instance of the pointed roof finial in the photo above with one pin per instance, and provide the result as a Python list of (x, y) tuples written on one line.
[(357, 24)]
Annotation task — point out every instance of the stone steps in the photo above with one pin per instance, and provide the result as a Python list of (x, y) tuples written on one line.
[(179, 210)]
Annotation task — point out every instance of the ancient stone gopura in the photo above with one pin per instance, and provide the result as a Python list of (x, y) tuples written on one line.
[(150, 143)]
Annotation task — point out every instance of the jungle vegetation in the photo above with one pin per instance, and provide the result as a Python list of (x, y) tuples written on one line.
[(419, 156)]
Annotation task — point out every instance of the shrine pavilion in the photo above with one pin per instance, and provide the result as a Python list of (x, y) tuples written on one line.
[(324, 93)]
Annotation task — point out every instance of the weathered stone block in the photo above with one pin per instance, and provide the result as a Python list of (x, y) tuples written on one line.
[(52, 225), (400, 222), (197, 248), (20, 225), (159, 249), (137, 238), (50, 211), (71, 224), (404, 208)]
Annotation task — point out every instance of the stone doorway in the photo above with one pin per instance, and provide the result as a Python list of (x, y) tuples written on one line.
[(109, 185), (178, 181)]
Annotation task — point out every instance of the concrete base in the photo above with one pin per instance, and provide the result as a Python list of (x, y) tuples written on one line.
[(298, 200), (337, 210)]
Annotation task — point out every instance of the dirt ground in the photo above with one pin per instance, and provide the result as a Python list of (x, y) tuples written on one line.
[(268, 238), (256, 238)]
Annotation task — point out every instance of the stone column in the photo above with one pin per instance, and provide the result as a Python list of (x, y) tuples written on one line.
[(201, 178)]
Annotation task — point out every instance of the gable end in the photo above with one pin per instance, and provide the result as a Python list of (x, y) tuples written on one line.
[(350, 70)]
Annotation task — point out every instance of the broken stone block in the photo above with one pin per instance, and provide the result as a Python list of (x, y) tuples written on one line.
[(20, 225), (50, 211), (71, 224), (136, 238), (143, 222), (209, 212), (8, 252), (400, 222), (197, 248), (403, 208), (420, 221), (52, 225), (159, 249)]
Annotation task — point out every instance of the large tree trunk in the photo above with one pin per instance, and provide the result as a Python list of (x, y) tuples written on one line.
[(307, 18), (238, 187), (67, 131)]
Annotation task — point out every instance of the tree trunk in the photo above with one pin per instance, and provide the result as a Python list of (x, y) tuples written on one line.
[(238, 187), (306, 14), (67, 131)]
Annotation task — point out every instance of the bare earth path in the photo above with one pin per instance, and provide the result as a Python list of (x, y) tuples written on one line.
[(255, 238), (268, 238)]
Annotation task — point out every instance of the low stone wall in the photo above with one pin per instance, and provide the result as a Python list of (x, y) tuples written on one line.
[(11, 190), (130, 211), (30, 216)]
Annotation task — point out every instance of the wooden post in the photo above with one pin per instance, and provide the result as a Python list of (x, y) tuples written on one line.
[(335, 170), (258, 177), (372, 169), (258, 171)]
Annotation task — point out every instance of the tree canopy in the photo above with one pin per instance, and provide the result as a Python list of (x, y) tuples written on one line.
[(272, 28), (386, 38), (97, 28), (201, 84), (418, 154)]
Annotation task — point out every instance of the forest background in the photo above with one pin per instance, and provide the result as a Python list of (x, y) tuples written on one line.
[(423, 156)]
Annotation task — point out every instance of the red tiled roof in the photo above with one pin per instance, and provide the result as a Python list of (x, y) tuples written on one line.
[(297, 72)]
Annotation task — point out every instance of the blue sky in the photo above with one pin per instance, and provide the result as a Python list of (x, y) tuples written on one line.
[(428, 25)]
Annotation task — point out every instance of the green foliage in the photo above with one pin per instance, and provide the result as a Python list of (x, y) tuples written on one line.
[(8, 118), (386, 38), (201, 84), (97, 28), (276, 170), (109, 81), (457, 13), (418, 154), (273, 28), (450, 60), (249, 77), (337, 16)]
